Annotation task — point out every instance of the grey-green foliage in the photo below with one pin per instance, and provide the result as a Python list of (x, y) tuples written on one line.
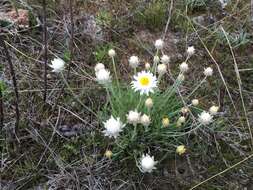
[(153, 16), (136, 140), (196, 4), (238, 39)]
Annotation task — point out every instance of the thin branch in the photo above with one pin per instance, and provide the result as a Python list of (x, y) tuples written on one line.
[(45, 48), (1, 109), (14, 81)]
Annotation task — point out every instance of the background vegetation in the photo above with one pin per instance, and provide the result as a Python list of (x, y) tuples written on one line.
[(58, 142)]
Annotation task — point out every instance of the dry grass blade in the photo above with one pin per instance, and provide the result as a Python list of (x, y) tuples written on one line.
[(239, 81)]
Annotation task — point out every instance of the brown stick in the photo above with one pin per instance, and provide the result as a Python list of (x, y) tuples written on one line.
[(14, 81), (1, 108), (45, 39)]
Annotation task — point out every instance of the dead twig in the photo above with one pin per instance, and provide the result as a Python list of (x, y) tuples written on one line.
[(45, 47), (14, 81), (1, 109)]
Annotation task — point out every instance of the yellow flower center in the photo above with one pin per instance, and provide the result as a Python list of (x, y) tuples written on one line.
[(144, 81)]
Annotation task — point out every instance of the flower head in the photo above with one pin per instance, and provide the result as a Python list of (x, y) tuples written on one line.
[(108, 154), (213, 110), (190, 50), (147, 66), (184, 110), (99, 66), (184, 67), (165, 121), (181, 149), (165, 59), (149, 103), (181, 119), (205, 118), (57, 65), (145, 120), (208, 71), (134, 61), (147, 163), (113, 127), (133, 117), (195, 102), (156, 59), (159, 44), (145, 82), (103, 76), (111, 53), (161, 69), (181, 77)]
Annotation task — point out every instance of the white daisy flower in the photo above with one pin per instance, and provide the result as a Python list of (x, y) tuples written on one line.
[(208, 71), (195, 102), (145, 82), (113, 127), (213, 110), (165, 59), (111, 53), (133, 117), (161, 69), (134, 61), (99, 66), (205, 118), (159, 44), (145, 120), (103, 76), (190, 50), (57, 65), (147, 163), (183, 67)]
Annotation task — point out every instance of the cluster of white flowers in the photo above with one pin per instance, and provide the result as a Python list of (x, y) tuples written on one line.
[(146, 82)]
